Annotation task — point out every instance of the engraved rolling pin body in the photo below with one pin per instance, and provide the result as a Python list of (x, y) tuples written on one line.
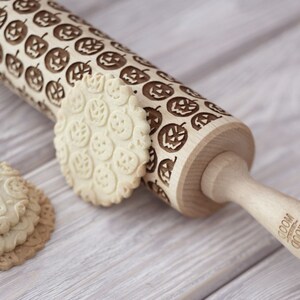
[(199, 151)]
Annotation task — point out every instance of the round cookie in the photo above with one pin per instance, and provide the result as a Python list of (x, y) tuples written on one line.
[(102, 139), (13, 198), (36, 241)]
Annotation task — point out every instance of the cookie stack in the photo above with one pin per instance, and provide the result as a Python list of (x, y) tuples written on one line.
[(26, 218)]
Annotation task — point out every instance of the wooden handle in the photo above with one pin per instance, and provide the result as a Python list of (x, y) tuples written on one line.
[(227, 179)]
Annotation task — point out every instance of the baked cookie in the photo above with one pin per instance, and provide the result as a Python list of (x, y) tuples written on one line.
[(102, 139)]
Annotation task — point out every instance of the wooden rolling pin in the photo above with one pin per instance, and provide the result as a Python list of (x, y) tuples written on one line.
[(199, 152)]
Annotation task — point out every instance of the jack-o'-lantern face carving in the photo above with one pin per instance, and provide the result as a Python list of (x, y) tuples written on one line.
[(172, 137), (111, 60), (154, 187), (157, 91), (66, 32), (182, 107), (190, 92), (26, 6), (101, 146), (45, 18), (120, 47), (55, 92), (154, 118), (76, 72), (15, 32), (14, 65), (132, 75), (165, 169), (125, 161), (216, 108), (88, 46), (120, 124), (202, 119), (35, 46), (105, 179), (96, 112), (166, 76), (81, 164), (57, 59), (143, 61), (79, 133), (3, 16), (151, 165), (34, 78)]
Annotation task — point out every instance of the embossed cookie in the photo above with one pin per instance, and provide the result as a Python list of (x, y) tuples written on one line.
[(13, 198), (41, 234), (102, 139)]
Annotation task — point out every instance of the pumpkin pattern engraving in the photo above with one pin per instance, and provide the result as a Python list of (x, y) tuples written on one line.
[(15, 32), (57, 59), (34, 78), (154, 118), (190, 92), (143, 61), (67, 32), (14, 65), (152, 163), (98, 33), (172, 137), (35, 46), (216, 108), (111, 60), (55, 92), (57, 6), (26, 6), (132, 75), (166, 76), (88, 46), (76, 72), (158, 190), (165, 169), (120, 47), (157, 91), (202, 119), (182, 107), (45, 18), (3, 16)]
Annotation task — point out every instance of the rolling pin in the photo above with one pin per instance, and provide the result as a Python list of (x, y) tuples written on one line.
[(200, 154)]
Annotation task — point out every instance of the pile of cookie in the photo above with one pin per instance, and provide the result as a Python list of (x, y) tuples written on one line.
[(26, 218)]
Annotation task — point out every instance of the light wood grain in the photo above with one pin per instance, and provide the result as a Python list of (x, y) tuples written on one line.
[(277, 277), (142, 249)]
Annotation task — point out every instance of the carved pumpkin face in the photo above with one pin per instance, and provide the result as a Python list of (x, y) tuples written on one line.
[(101, 146), (202, 119), (98, 33), (76, 72), (172, 137), (3, 17), (55, 92), (154, 187), (105, 179), (120, 47), (34, 78), (57, 59), (125, 161), (151, 165), (14, 65), (45, 18), (96, 112), (143, 61), (81, 164), (88, 46), (190, 92), (165, 169), (154, 118), (15, 32), (182, 107), (35, 46), (111, 60), (79, 133), (132, 75), (67, 32), (26, 6), (157, 91), (166, 76), (120, 124), (216, 108)]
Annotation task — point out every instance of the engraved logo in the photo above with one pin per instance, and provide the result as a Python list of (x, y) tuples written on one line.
[(289, 230)]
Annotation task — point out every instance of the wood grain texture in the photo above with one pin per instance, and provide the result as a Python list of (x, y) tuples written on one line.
[(142, 249), (258, 282)]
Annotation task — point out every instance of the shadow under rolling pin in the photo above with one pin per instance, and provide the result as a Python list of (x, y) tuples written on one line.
[(199, 152)]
